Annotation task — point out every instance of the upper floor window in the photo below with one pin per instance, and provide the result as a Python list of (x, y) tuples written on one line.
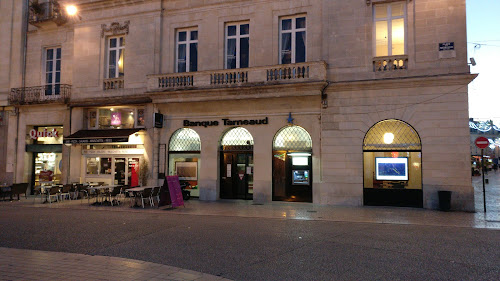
[(237, 45), (116, 54), (115, 118), (292, 39), (52, 71), (187, 50), (390, 34)]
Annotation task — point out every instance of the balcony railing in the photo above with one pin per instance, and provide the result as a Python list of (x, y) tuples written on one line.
[(392, 63), (113, 83), (265, 75), (59, 93), (41, 13)]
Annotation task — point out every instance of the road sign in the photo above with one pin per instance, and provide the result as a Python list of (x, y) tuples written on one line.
[(482, 142)]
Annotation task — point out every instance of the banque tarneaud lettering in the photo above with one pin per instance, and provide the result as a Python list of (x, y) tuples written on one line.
[(227, 122)]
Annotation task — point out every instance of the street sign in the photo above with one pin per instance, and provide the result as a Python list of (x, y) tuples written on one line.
[(482, 142)]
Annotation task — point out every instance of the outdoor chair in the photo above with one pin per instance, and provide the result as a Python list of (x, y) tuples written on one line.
[(53, 192), (39, 191), (131, 195), (146, 196), (65, 191), (155, 194), (115, 194)]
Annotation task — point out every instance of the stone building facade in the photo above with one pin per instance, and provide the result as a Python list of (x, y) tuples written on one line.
[(330, 102)]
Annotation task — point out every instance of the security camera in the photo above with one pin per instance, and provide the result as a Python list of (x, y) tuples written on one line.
[(472, 62)]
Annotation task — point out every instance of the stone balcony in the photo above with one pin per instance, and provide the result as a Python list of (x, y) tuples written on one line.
[(244, 77), (60, 93), (46, 13)]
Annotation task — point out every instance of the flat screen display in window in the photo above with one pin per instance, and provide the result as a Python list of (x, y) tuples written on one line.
[(395, 169)]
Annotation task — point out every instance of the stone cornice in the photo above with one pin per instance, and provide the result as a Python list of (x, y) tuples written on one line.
[(251, 91), (406, 82), (92, 5)]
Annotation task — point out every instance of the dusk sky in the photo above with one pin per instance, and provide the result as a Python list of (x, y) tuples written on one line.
[(483, 37)]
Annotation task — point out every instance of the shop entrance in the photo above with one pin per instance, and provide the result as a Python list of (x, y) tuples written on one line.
[(237, 178), (236, 159), (292, 165)]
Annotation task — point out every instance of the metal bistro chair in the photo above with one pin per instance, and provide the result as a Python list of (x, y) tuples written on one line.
[(114, 194), (53, 192), (146, 195), (155, 194), (65, 191), (131, 195)]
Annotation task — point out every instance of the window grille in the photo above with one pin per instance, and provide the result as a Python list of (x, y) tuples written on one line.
[(185, 139), (237, 139), (405, 137), (292, 138)]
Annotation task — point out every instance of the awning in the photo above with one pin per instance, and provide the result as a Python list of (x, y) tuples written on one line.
[(100, 136)]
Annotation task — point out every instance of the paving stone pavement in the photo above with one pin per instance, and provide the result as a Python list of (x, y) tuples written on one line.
[(17, 264)]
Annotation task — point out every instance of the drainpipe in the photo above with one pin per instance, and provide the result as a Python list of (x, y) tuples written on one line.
[(23, 75)]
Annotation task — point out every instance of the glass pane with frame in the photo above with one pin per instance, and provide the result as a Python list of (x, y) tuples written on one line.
[(286, 48), (193, 57), (231, 30), (381, 40), (286, 24), (300, 47), (244, 50), (231, 53), (244, 29), (398, 37)]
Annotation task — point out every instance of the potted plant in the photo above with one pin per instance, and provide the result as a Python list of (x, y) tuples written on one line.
[(144, 172)]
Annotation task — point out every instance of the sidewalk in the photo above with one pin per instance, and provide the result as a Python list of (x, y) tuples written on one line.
[(16, 264)]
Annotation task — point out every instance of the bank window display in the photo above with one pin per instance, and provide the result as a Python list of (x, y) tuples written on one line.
[(184, 157), (390, 34), (292, 39), (292, 165), (115, 118), (392, 162)]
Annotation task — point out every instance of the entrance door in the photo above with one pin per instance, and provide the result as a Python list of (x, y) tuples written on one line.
[(292, 177), (237, 175), (120, 178)]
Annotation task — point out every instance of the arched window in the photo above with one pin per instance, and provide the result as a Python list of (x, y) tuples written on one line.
[(392, 135), (292, 138), (392, 164), (185, 139), (237, 139)]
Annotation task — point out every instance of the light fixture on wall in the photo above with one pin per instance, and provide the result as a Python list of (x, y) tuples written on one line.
[(388, 138)]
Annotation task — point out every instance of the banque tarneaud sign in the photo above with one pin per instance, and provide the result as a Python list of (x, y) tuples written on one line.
[(226, 122)]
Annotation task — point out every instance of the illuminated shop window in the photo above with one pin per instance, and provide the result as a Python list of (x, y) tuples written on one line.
[(115, 118), (392, 156)]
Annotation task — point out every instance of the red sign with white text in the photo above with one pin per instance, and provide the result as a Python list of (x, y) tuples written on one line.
[(482, 142)]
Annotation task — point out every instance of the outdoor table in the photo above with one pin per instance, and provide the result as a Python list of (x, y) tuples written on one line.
[(136, 191), (97, 189)]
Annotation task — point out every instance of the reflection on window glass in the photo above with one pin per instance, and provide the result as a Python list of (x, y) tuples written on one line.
[(115, 118), (389, 20), (93, 166), (140, 117), (105, 166)]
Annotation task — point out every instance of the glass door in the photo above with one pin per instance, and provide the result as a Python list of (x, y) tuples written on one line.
[(120, 177)]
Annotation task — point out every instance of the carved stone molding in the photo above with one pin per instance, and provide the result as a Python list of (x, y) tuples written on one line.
[(115, 28)]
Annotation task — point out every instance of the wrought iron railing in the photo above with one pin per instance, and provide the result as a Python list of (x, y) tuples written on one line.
[(50, 10), (58, 93)]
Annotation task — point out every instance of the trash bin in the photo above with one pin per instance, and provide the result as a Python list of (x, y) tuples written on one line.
[(444, 200)]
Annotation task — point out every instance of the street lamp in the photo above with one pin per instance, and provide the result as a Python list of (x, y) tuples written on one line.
[(71, 10)]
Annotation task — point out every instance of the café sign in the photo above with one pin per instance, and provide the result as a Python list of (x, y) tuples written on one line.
[(34, 134)]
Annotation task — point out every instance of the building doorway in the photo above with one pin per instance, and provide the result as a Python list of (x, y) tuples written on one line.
[(292, 165), (184, 158), (237, 164)]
